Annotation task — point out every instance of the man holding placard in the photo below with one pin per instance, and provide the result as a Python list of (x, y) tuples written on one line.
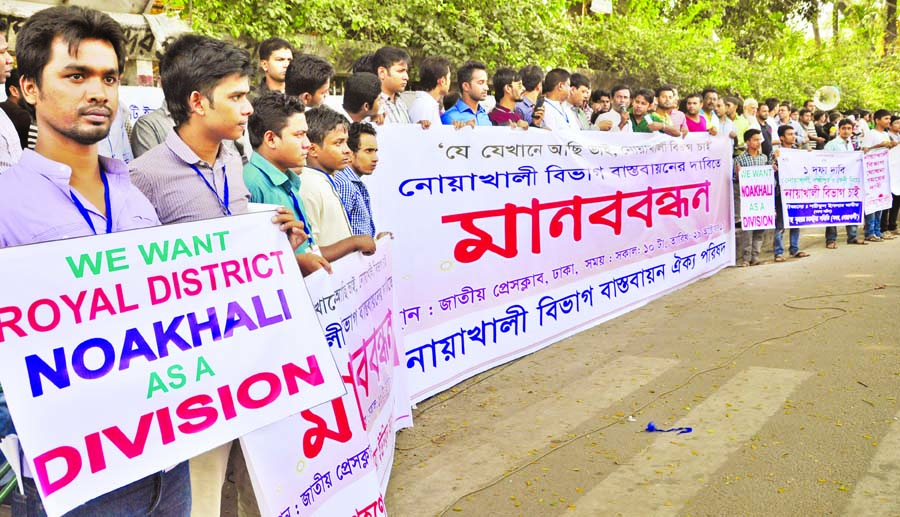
[(878, 138), (750, 241), (842, 143)]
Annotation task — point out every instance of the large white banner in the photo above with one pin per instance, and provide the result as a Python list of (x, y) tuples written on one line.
[(510, 240), (877, 180), (820, 188), (336, 459), (130, 352)]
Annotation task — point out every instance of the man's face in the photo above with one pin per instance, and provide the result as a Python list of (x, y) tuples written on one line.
[(693, 105), (795, 116), (365, 159), (750, 109), (6, 60), (333, 154), (895, 126), (277, 64), (580, 95), (292, 145), (789, 138), (640, 106), (622, 99), (666, 100), (720, 108), (226, 113), (477, 87), (376, 107), (444, 85), (783, 113), (605, 104), (730, 109), (810, 106), (806, 118), (710, 100), (883, 123), (79, 94), (845, 131), (762, 114), (516, 90), (318, 97), (755, 142), (394, 79)]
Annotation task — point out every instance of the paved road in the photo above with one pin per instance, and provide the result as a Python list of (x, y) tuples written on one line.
[(788, 374)]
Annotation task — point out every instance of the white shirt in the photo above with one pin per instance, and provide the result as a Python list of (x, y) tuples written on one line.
[(10, 145), (326, 213), (559, 116), (616, 118), (874, 137), (425, 107)]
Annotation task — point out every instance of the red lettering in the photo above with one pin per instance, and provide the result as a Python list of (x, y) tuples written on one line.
[(166, 428), (256, 270), (292, 372), (314, 439), (187, 411), (231, 269), (99, 303), (277, 255), (76, 305), (155, 298), (32, 315), (96, 458), (12, 323), (72, 459), (120, 297), (193, 286), (274, 389), (227, 400), (130, 448)]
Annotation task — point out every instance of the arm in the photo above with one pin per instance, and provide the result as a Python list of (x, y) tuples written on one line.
[(361, 243)]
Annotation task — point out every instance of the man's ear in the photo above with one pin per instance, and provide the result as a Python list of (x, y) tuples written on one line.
[(196, 104), (30, 90)]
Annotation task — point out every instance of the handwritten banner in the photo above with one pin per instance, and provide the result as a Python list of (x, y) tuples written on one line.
[(757, 197), (335, 459), (820, 188), (521, 239), (877, 181), (174, 339)]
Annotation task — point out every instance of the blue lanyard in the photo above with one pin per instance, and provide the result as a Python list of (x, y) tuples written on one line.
[(287, 188), (224, 202), (558, 110), (87, 215)]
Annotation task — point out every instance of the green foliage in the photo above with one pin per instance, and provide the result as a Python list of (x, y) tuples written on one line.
[(745, 47)]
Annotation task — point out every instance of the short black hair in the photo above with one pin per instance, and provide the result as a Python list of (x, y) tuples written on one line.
[(360, 89), (881, 113), (271, 45), (73, 24), (431, 69), (195, 63), (845, 122), (306, 74), (803, 111), (389, 56), (784, 129), (707, 91), (579, 80), (13, 80), (665, 88), (465, 72), (750, 133), (364, 63), (503, 77), (894, 118), (532, 76), (646, 93), (356, 130), (554, 78), (620, 87), (271, 112), (597, 95), (323, 120)]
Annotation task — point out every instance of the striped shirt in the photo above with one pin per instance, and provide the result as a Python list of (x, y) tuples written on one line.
[(395, 111), (164, 174)]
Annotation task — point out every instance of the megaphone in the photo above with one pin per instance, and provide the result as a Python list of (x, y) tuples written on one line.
[(827, 98)]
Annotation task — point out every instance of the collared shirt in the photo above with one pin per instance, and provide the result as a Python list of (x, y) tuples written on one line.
[(44, 183), (839, 144), (558, 116), (581, 116), (712, 120), (395, 111), (326, 212), (10, 147), (355, 198), (462, 112), (164, 174), (269, 185), (673, 118), (741, 125), (525, 109), (746, 159), (616, 118), (502, 116), (150, 130), (425, 107), (874, 137), (726, 127), (640, 127)]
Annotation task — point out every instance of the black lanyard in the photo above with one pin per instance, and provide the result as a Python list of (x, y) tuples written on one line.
[(223, 202), (287, 188), (84, 211)]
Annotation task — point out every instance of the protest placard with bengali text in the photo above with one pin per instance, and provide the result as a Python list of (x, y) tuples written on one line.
[(894, 167), (336, 459), (510, 240), (876, 169), (820, 188), (131, 352), (757, 186)]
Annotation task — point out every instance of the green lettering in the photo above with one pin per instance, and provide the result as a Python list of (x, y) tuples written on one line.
[(116, 255), (156, 384), (203, 367), (154, 250), (180, 248), (175, 374)]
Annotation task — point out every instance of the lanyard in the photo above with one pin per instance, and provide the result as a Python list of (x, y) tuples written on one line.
[(287, 188), (224, 202), (548, 101), (84, 212)]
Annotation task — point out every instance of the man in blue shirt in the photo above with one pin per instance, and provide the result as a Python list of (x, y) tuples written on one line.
[(473, 87)]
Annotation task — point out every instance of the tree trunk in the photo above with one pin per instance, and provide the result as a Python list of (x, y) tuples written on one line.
[(890, 30), (815, 27), (835, 22)]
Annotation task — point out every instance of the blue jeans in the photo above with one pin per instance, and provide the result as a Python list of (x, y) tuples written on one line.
[(832, 231), (777, 242), (873, 225), (163, 494)]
